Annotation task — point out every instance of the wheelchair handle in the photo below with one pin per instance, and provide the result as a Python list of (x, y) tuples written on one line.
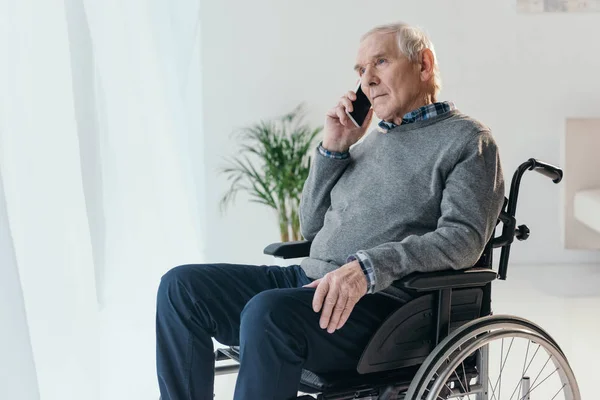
[(508, 218), (551, 171)]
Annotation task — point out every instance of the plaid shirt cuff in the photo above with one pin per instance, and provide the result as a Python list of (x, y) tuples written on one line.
[(367, 267), (333, 154)]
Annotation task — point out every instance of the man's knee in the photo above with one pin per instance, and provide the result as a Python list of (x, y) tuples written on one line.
[(265, 305), (182, 284), (172, 278), (277, 312)]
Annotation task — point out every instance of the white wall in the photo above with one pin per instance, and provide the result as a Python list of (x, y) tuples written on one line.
[(522, 75)]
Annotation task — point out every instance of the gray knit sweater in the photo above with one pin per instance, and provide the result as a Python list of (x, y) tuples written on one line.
[(423, 197)]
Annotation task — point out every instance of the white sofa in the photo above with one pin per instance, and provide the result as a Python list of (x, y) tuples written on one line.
[(586, 208), (582, 183)]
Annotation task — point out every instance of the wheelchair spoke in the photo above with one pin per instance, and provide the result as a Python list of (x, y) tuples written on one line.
[(559, 390), (539, 373), (532, 389), (523, 372), (503, 361), (525, 369), (445, 384), (501, 368), (466, 386), (468, 389), (460, 381), (518, 387), (493, 391)]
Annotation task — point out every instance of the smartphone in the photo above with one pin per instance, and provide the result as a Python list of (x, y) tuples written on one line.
[(360, 106)]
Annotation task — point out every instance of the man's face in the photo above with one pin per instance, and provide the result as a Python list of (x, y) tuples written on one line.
[(391, 82)]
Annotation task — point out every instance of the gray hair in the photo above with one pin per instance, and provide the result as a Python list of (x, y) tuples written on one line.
[(411, 41)]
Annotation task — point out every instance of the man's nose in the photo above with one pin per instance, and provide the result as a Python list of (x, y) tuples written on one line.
[(370, 77)]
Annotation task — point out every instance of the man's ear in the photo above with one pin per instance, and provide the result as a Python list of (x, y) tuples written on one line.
[(427, 65)]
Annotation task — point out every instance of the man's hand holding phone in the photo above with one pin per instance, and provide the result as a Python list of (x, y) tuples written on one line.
[(341, 124)]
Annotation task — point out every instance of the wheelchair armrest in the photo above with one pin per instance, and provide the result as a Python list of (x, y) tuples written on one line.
[(451, 279), (289, 249)]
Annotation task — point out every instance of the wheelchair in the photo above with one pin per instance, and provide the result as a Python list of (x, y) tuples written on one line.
[(444, 343)]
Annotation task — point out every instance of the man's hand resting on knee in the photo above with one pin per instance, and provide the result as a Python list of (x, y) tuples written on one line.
[(337, 293)]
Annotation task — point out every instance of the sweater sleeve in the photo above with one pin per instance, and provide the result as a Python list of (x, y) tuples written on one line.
[(326, 168), (471, 203)]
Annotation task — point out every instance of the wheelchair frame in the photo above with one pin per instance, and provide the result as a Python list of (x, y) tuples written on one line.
[(454, 307)]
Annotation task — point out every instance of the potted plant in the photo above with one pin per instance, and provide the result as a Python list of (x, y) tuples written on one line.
[(271, 166)]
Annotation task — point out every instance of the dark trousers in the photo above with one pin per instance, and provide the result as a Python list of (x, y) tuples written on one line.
[(265, 311)]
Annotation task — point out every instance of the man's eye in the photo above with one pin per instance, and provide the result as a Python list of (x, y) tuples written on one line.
[(380, 61), (361, 71)]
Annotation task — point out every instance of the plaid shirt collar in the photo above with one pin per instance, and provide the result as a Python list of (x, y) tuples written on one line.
[(420, 114)]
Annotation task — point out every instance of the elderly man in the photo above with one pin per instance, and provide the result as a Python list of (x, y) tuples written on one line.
[(420, 193)]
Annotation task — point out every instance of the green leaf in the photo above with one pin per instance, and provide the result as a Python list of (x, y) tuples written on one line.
[(272, 163)]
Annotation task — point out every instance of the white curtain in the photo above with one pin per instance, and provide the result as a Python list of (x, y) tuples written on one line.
[(101, 160)]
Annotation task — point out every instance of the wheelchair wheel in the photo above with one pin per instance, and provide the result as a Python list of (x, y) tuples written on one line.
[(496, 358)]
